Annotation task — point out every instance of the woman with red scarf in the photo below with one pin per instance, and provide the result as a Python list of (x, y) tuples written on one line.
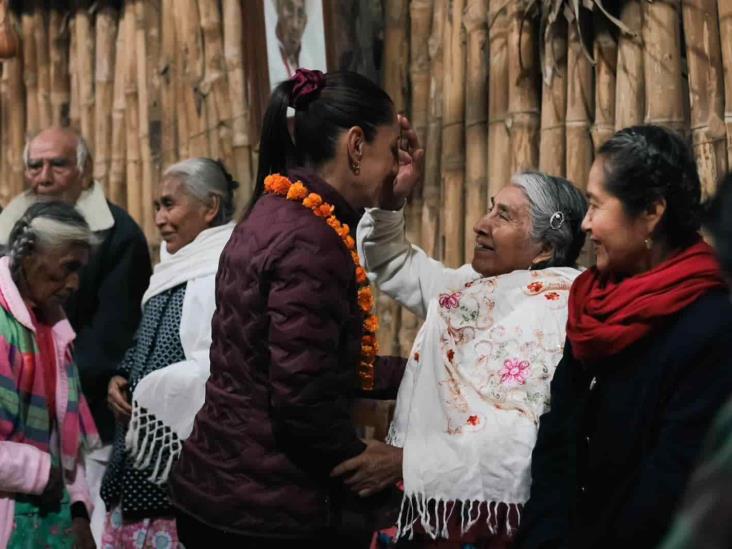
[(646, 362)]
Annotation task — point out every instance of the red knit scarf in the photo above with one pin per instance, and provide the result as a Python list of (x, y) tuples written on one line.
[(606, 317)]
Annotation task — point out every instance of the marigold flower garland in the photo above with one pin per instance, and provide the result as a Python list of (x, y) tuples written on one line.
[(282, 186)]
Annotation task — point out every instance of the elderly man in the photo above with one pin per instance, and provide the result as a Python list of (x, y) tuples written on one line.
[(106, 310)]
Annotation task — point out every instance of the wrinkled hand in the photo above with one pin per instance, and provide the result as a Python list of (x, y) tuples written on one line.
[(411, 168), (377, 467), (54, 490), (81, 531), (117, 399)]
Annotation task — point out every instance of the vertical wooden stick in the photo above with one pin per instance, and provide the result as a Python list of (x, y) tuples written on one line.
[(579, 111), (453, 136), (552, 141), (430, 230), (499, 140), (15, 130), (476, 110), (74, 109), (630, 95), (58, 45), (706, 91), (40, 35), (169, 76), (725, 31), (132, 119), (606, 56), (30, 70), (662, 64), (84, 34), (238, 99), (523, 99), (396, 52), (117, 168), (106, 34)]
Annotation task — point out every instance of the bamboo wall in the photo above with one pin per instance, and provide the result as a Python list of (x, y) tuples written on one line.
[(497, 86), (144, 94), (491, 86)]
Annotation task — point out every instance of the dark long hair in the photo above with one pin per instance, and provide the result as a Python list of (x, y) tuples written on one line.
[(647, 163), (345, 100)]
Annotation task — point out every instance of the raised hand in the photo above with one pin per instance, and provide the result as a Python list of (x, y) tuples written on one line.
[(411, 168)]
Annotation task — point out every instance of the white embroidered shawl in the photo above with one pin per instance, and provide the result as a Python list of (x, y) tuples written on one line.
[(475, 385)]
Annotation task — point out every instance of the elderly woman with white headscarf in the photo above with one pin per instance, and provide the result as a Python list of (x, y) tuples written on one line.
[(166, 368), (478, 376)]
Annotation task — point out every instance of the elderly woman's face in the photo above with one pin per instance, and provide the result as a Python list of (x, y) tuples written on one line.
[(503, 240), (179, 216), (618, 238), (51, 276)]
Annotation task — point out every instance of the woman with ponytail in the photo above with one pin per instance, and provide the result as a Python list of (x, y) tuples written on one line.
[(293, 336)]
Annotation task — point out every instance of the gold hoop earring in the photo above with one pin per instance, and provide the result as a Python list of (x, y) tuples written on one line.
[(649, 243)]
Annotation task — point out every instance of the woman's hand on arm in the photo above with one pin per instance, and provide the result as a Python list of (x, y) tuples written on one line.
[(377, 467)]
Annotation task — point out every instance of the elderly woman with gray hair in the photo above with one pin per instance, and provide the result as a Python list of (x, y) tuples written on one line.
[(159, 385), (477, 379)]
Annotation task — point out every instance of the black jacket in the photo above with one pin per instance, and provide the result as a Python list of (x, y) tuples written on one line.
[(106, 310), (614, 453)]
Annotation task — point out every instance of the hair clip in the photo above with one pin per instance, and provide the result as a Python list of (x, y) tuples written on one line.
[(306, 86), (556, 220)]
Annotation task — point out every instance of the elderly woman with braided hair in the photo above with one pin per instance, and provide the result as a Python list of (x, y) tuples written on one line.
[(45, 423), (159, 385)]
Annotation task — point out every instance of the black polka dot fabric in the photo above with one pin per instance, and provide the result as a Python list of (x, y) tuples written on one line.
[(157, 344)]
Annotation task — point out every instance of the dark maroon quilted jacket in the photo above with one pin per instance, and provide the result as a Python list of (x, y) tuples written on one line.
[(286, 342)]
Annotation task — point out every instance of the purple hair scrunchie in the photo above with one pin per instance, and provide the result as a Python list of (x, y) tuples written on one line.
[(306, 88)]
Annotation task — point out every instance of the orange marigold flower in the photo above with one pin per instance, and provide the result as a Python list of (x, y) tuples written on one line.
[(312, 200), (277, 184), (366, 375), (365, 299), (333, 222), (297, 191), (368, 340), (371, 324), (324, 210), (350, 243), (368, 351), (354, 256), (361, 277)]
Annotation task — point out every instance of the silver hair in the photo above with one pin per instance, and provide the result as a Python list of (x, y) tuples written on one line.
[(47, 225), (203, 177), (82, 150), (557, 208)]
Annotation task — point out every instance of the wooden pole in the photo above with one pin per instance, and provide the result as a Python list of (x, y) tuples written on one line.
[(30, 71), (430, 231), (169, 72), (499, 140), (84, 34), (40, 35), (238, 99), (630, 96), (132, 119), (453, 137), (523, 99), (725, 30), (190, 44), (146, 35), (476, 112), (215, 86), (554, 102), (579, 110), (58, 45), (706, 91), (74, 112), (662, 65), (117, 167), (15, 130), (396, 52), (606, 58), (5, 191), (106, 34)]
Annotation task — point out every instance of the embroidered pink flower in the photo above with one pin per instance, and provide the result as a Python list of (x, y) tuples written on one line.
[(551, 296), (515, 371), (535, 287), (450, 301), (473, 420)]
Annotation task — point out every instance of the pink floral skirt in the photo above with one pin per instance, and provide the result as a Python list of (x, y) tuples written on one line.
[(158, 533)]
